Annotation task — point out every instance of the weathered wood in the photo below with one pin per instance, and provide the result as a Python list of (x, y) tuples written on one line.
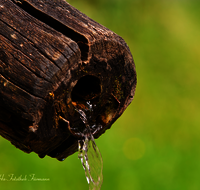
[(53, 59)]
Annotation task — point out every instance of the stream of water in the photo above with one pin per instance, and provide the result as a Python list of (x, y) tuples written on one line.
[(89, 154)]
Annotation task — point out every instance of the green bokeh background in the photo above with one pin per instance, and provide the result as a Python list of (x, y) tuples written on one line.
[(155, 145)]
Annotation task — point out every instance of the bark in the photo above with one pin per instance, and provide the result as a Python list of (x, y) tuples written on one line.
[(53, 59)]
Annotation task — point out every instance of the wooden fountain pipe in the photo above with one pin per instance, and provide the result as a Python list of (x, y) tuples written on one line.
[(53, 61)]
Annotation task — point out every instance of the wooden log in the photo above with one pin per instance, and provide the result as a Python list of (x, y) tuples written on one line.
[(53, 59)]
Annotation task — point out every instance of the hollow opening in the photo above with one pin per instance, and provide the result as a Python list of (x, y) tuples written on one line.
[(87, 88)]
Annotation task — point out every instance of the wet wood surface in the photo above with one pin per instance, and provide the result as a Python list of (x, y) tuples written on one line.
[(53, 59)]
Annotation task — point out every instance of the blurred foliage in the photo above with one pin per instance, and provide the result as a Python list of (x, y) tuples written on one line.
[(155, 143)]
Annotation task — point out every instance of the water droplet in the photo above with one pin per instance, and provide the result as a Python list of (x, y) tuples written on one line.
[(89, 105)]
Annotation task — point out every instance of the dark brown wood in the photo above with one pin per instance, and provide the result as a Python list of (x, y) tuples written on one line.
[(53, 59)]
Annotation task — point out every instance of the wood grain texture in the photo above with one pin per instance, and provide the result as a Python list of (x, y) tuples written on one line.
[(53, 59)]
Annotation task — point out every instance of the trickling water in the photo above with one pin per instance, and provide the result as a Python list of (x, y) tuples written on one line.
[(90, 155), (92, 162)]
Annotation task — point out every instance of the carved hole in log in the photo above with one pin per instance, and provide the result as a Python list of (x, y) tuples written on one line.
[(87, 88)]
